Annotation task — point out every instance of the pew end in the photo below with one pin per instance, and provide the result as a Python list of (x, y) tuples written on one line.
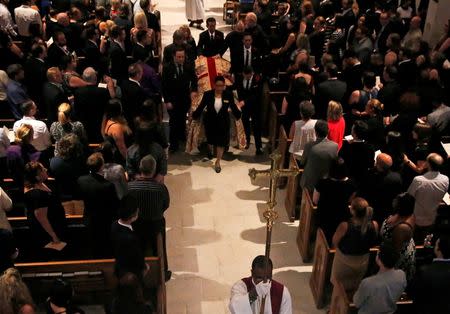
[(306, 227)]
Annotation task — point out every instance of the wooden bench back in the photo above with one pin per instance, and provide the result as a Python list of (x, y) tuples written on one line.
[(306, 226), (321, 268), (274, 116), (292, 187)]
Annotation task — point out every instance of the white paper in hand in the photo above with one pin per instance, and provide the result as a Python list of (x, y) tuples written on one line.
[(56, 246)]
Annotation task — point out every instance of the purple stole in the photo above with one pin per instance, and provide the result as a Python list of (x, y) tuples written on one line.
[(276, 293)]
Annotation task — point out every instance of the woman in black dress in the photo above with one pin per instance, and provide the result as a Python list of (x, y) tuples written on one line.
[(45, 213), (216, 118)]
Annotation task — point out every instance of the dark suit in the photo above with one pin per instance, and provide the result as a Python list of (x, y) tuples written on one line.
[(353, 78), (317, 42), (359, 158), (209, 48), (238, 59), (35, 77), (233, 41), (252, 108), (55, 54), (381, 38), (217, 124), (100, 210), (407, 74), (141, 53), (317, 158), (329, 90), (176, 89), (89, 107), (169, 50), (389, 95), (430, 288), (52, 97), (119, 62), (133, 96), (93, 57), (127, 251)]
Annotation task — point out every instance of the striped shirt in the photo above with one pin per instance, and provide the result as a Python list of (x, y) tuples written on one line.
[(152, 198)]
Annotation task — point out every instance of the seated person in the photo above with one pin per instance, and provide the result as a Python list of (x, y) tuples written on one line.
[(302, 131), (14, 293), (379, 293), (60, 298), (8, 251)]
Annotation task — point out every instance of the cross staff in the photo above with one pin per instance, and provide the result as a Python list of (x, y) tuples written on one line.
[(270, 214)]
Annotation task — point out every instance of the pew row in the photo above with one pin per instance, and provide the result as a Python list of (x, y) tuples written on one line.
[(94, 280), (275, 116), (306, 226), (290, 202)]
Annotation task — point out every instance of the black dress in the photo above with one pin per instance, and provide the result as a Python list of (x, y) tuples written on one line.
[(217, 124), (35, 199)]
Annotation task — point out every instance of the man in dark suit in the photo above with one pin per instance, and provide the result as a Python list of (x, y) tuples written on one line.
[(36, 74), (432, 283), (57, 50), (92, 51), (211, 42), (179, 85), (317, 157), (53, 94), (352, 73), (89, 106), (390, 93), (178, 42), (252, 27), (249, 90), (383, 33), (142, 47), (100, 205), (117, 54), (246, 56), (133, 95), (233, 40), (331, 89), (407, 70), (128, 253)]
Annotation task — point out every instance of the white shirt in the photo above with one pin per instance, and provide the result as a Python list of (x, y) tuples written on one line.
[(304, 133), (240, 303), (41, 135), (25, 15), (137, 82), (6, 21), (125, 225), (217, 104), (428, 190)]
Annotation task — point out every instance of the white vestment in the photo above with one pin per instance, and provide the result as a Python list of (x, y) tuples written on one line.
[(195, 10), (240, 303)]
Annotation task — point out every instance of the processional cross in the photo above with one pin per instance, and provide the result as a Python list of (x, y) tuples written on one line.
[(270, 214)]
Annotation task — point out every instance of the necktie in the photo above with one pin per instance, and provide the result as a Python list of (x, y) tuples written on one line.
[(180, 70), (247, 87), (212, 37), (247, 57)]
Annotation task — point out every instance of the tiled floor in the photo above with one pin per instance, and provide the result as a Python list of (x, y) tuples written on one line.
[(215, 224)]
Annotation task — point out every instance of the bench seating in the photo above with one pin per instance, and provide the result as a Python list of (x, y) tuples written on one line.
[(306, 226), (274, 116), (93, 280), (290, 202)]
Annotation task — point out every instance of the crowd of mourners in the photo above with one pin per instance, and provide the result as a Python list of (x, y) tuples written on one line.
[(98, 105)]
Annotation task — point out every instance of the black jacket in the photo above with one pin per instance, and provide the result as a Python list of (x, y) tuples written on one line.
[(55, 55), (210, 48), (133, 96), (177, 88), (329, 90), (238, 60), (35, 77), (119, 62), (52, 97)]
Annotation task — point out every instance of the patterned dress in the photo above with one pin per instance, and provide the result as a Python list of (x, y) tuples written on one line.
[(407, 258)]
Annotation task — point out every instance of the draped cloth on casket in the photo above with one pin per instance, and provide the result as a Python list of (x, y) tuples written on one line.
[(206, 70)]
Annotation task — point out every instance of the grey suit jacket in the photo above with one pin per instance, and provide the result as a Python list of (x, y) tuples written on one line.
[(317, 158)]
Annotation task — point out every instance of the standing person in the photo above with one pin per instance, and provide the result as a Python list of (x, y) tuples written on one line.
[(336, 123), (153, 200), (14, 294), (380, 293), (247, 293), (100, 205), (217, 119), (211, 42), (195, 13), (249, 90), (179, 85)]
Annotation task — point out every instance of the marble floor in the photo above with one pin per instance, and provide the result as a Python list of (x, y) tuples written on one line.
[(215, 225)]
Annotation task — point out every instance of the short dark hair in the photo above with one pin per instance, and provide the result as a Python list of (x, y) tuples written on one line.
[(369, 79), (124, 10), (90, 32), (147, 165), (444, 245), (403, 204), (349, 53), (140, 35), (61, 292), (128, 207), (178, 49), (332, 69), (260, 261), (144, 4), (392, 71), (13, 70), (134, 69), (95, 162), (210, 20), (307, 109), (26, 107), (321, 128), (36, 50), (387, 254), (113, 109), (247, 70), (115, 31), (361, 129), (219, 78)]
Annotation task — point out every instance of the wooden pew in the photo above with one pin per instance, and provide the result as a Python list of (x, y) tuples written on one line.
[(323, 260), (306, 226), (94, 281), (341, 302), (22, 222), (290, 201), (274, 116)]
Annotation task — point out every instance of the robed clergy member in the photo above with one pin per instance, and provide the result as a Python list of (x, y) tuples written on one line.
[(247, 294)]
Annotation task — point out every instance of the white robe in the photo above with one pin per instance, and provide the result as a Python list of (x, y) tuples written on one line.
[(195, 10), (240, 303)]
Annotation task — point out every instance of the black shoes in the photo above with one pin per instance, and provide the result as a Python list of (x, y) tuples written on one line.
[(168, 275), (259, 152), (200, 27), (210, 155), (191, 24)]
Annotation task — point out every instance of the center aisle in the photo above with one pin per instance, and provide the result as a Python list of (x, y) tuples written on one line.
[(214, 224)]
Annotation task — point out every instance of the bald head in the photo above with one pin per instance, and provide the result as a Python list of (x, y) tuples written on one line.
[(415, 22), (90, 76), (250, 20), (434, 161), (383, 162), (63, 19), (390, 58)]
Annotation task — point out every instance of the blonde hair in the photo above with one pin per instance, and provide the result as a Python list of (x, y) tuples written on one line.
[(140, 20), (24, 134), (64, 111), (335, 111), (14, 294), (363, 212)]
